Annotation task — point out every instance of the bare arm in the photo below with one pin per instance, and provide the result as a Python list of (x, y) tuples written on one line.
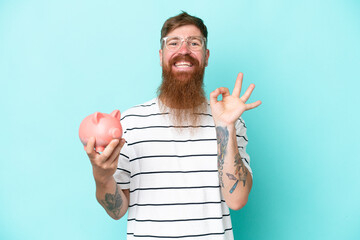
[(235, 180), (234, 177), (114, 200)]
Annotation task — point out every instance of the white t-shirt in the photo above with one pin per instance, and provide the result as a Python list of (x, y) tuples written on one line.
[(173, 176)]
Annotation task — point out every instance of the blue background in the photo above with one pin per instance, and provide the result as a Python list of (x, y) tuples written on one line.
[(62, 60)]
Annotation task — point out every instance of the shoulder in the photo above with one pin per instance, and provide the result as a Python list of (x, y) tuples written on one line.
[(140, 114), (141, 109), (151, 103)]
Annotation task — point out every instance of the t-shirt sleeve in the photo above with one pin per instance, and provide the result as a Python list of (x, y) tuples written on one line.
[(242, 141), (123, 172)]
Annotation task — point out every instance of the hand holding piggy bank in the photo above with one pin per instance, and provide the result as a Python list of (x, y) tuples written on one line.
[(104, 127)]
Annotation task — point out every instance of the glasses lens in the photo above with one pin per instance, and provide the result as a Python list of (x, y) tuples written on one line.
[(195, 43), (173, 43)]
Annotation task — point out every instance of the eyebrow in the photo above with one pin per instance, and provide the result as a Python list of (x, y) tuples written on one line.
[(186, 37)]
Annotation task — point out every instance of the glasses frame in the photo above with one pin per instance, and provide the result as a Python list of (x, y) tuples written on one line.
[(164, 39)]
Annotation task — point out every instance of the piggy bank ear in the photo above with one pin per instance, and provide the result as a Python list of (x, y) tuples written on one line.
[(96, 117), (116, 114)]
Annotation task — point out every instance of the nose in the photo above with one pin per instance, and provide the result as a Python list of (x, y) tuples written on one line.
[(184, 49)]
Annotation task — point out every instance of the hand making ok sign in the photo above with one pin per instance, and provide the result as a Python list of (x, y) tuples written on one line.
[(231, 107)]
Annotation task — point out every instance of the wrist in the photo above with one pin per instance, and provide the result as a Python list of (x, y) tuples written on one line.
[(228, 125), (103, 181)]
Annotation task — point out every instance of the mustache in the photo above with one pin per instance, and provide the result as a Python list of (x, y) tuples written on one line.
[(186, 58)]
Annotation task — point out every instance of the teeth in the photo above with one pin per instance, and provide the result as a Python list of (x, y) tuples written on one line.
[(183, 64)]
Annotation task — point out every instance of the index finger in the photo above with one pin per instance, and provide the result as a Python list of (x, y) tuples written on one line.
[(238, 83), (214, 95)]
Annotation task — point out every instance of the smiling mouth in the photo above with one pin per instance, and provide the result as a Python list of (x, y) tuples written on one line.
[(183, 64)]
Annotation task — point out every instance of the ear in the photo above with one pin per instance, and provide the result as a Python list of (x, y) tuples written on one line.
[(116, 114), (160, 55), (96, 117), (207, 55)]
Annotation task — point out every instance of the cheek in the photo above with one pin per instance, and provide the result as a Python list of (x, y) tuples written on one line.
[(201, 58), (166, 58), (165, 61)]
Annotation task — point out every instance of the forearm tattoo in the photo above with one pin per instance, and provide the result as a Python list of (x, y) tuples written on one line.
[(240, 171), (113, 202), (222, 135)]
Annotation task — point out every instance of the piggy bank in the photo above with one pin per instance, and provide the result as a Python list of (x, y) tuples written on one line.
[(104, 127)]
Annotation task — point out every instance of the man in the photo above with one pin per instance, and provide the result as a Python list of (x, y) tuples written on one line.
[(184, 163)]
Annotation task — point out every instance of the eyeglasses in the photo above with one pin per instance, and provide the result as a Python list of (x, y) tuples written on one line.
[(174, 43)]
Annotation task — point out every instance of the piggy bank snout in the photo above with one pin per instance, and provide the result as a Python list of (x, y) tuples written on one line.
[(115, 132)]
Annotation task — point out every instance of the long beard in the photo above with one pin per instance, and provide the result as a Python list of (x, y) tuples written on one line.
[(182, 93)]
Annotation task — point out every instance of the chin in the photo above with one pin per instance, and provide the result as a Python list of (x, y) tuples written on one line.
[(183, 76)]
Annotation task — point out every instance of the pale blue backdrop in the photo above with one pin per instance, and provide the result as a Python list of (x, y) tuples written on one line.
[(62, 60)]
